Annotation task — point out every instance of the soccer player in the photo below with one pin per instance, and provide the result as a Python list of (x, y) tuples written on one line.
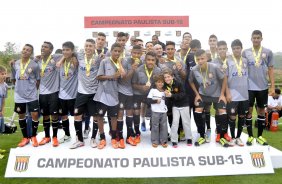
[(211, 90), (237, 90), (212, 53), (260, 62), (110, 70), (88, 65), (141, 82), (68, 87), (100, 48), (48, 92), (26, 73)]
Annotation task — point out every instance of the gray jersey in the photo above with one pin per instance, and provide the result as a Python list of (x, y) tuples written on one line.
[(172, 65), (124, 85), (107, 92), (25, 87), (238, 85), (3, 90), (258, 75), (220, 64), (88, 84), (69, 84), (49, 82), (211, 79), (140, 77)]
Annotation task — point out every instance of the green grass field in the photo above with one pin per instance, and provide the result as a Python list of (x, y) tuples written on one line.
[(10, 141)]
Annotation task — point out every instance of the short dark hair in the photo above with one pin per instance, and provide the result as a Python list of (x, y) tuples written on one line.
[(277, 91), (149, 42), (195, 44), (257, 32), (213, 36), (221, 42), (29, 45), (159, 77), (151, 53), (138, 40), (101, 34), (3, 69), (115, 45), (58, 51), (121, 34), (237, 42), (136, 47), (200, 52), (90, 40), (170, 43), (155, 36), (50, 45), (185, 34), (69, 44)]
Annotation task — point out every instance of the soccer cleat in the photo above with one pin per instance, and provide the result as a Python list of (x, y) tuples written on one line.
[(174, 144), (200, 141), (164, 145), (114, 143), (155, 145), (77, 144), (65, 139), (232, 142), (224, 142), (182, 135), (121, 144), (131, 141), (143, 126), (138, 139), (208, 135), (189, 142), (217, 138), (262, 141), (102, 144), (227, 137), (55, 142), (23, 142), (93, 143), (239, 142), (86, 133), (2, 151), (34, 141), (44, 141), (250, 141)]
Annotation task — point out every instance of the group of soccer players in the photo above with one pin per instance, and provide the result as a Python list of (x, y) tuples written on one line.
[(118, 80)]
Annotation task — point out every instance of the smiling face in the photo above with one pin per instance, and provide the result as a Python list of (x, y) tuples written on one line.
[(150, 61), (221, 50), (168, 78), (237, 50), (3, 75), (27, 52), (45, 50), (115, 53), (89, 48), (159, 84)]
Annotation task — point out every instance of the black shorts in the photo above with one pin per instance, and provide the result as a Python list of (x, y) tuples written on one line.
[(137, 100), (66, 107), (125, 101), (207, 101), (49, 104), (240, 108), (260, 97), (112, 111), (20, 108), (84, 103)]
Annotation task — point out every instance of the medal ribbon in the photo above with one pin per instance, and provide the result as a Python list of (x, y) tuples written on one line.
[(66, 67), (238, 66), (88, 63), (257, 56), (147, 73), (204, 78), (44, 64), (116, 64), (23, 68), (169, 86), (96, 52)]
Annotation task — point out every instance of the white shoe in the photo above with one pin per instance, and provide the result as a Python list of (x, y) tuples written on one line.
[(239, 142), (86, 133), (93, 143), (77, 144), (208, 135), (232, 142), (65, 139)]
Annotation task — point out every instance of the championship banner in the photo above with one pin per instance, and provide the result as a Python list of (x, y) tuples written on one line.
[(136, 162), (135, 21)]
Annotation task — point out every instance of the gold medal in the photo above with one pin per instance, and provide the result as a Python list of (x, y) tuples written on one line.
[(88, 64), (22, 77), (66, 69), (224, 66), (238, 65), (148, 84), (257, 56), (44, 65), (257, 64), (42, 74), (87, 73), (23, 68)]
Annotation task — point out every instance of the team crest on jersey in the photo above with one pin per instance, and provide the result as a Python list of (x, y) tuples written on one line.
[(210, 75), (60, 111), (135, 105), (42, 111), (21, 163), (121, 106), (175, 90), (76, 110), (197, 103), (174, 67), (52, 61), (263, 55), (258, 159), (18, 109), (232, 110), (29, 70), (101, 111)]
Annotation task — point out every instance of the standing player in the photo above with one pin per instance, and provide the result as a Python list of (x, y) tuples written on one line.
[(100, 44), (26, 74), (212, 53), (260, 63), (48, 92), (68, 87)]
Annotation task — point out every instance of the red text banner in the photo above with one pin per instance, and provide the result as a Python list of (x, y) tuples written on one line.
[(135, 21)]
